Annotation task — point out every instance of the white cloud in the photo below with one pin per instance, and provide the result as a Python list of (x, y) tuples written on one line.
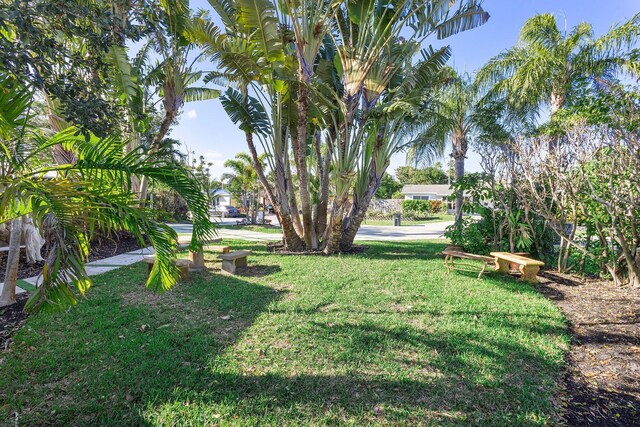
[(192, 114), (217, 168)]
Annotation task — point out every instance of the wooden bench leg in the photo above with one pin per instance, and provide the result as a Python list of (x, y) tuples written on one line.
[(448, 259), (484, 267), (197, 260), (502, 265), (529, 273)]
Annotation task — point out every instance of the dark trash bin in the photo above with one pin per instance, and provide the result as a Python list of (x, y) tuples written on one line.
[(396, 219)]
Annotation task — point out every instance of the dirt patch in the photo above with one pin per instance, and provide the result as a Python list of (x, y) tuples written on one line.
[(11, 319), (601, 384)]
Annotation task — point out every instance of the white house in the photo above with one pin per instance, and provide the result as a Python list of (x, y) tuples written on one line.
[(220, 197), (427, 192)]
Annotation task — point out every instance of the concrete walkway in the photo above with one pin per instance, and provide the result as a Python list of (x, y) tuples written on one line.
[(93, 268)]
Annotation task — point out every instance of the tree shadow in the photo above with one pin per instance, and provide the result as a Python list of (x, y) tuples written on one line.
[(590, 405), (133, 346), (566, 281), (362, 397), (257, 270)]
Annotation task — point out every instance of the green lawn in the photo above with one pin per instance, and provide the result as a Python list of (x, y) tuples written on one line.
[(385, 337), (403, 222), (273, 229)]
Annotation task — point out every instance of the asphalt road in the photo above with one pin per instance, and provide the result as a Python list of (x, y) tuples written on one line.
[(433, 230)]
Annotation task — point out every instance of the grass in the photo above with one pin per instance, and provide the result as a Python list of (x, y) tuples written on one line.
[(389, 222), (384, 337), (272, 229)]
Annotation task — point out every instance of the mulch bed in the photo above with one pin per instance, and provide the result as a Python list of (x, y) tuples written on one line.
[(13, 316), (601, 383), (11, 319), (101, 247)]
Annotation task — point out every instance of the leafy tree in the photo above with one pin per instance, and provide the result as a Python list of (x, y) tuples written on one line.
[(243, 183), (454, 120), (71, 201), (429, 175), (73, 51), (388, 187), (550, 67)]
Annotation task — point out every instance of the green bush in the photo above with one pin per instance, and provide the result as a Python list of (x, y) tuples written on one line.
[(471, 234), (170, 203), (417, 208)]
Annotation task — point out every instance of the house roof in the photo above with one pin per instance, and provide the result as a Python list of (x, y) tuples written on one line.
[(429, 189), (219, 193)]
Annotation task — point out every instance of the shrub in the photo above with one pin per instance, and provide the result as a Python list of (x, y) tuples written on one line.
[(437, 206), (471, 234), (417, 208), (171, 203)]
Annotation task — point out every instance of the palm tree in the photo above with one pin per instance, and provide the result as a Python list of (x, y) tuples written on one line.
[(549, 67), (72, 200), (172, 77), (243, 181), (452, 118), (318, 109)]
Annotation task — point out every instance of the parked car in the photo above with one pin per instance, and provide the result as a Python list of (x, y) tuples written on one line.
[(230, 212), (270, 208)]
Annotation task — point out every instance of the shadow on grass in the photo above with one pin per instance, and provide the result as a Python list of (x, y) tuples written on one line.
[(446, 389), (125, 346), (257, 270), (126, 356)]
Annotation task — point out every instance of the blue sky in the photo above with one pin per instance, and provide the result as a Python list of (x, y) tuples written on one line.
[(205, 128)]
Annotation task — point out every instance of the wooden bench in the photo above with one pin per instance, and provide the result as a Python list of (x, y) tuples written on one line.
[(528, 267), (451, 254), (196, 258), (182, 264), (233, 260)]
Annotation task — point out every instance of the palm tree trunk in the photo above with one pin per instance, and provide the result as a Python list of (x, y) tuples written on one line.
[(458, 173), (352, 223), (300, 154), (332, 243), (322, 208), (291, 197), (169, 117), (557, 102), (291, 238), (8, 295)]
